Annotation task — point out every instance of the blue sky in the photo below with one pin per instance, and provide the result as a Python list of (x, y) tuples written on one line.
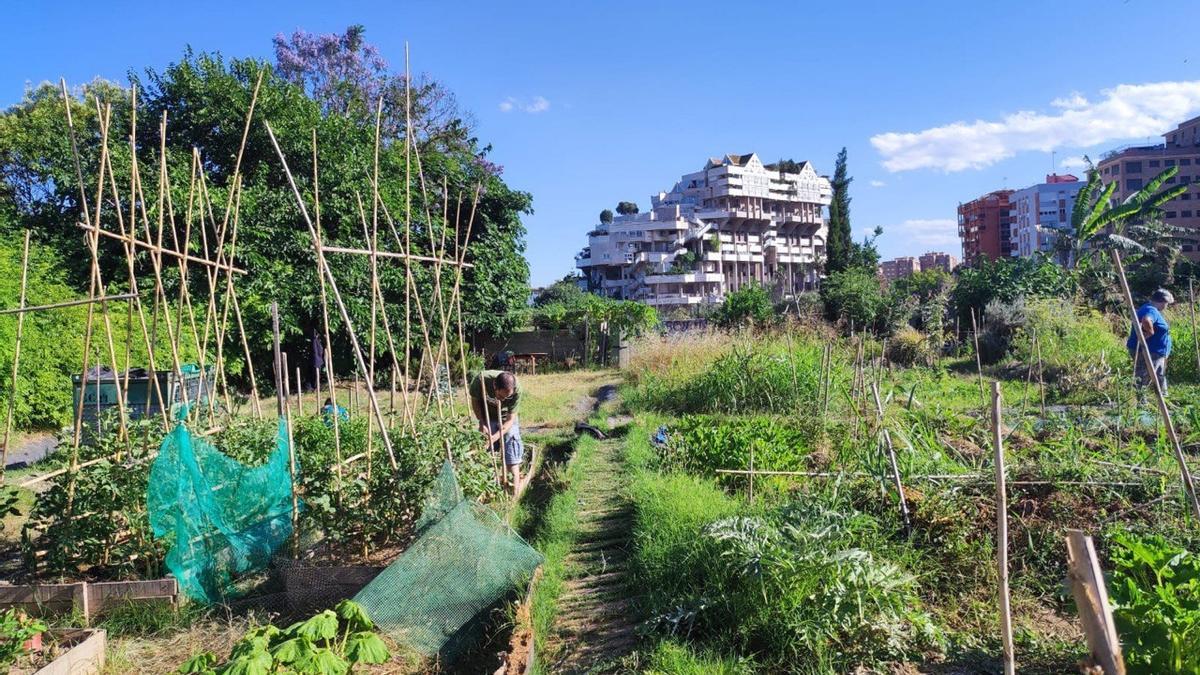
[(587, 104)]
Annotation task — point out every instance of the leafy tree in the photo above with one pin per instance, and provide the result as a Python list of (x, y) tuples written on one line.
[(627, 208), (565, 291), (839, 246), (1006, 280), (205, 98), (606, 216), (749, 305), (853, 296)]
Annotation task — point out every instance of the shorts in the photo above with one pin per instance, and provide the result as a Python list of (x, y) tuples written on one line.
[(514, 447)]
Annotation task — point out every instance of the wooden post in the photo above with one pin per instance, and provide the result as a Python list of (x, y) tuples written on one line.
[(279, 372), (1037, 342), (1192, 312), (895, 466), (1159, 394), (752, 473), (1091, 597), (12, 394), (286, 413), (978, 359), (299, 393), (1002, 534)]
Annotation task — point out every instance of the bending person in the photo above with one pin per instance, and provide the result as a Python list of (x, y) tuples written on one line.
[(494, 399)]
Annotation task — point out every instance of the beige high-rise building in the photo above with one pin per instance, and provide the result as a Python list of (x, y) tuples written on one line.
[(1132, 166), (735, 222)]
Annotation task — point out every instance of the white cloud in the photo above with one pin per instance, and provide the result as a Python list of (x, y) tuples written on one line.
[(538, 104), (929, 233), (1126, 111), (1076, 162), (877, 183)]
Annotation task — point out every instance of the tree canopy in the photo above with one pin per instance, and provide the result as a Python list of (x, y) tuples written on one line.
[(322, 85)]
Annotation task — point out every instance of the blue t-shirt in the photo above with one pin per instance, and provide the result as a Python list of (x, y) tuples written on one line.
[(1160, 342)]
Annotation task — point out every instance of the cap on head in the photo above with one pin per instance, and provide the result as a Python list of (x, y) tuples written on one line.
[(1163, 295)]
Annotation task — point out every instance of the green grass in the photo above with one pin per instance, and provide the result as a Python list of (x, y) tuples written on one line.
[(554, 537)]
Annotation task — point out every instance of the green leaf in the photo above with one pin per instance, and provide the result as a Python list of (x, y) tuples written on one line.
[(323, 626), (292, 650), (366, 647), (200, 663), (257, 663), (322, 662), (353, 615)]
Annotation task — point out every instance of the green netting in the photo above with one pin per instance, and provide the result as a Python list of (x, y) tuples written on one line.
[(222, 518), (463, 561)]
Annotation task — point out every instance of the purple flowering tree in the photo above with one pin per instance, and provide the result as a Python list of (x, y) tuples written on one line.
[(348, 76)]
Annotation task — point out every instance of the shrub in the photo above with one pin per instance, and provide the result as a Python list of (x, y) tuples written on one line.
[(999, 322), (910, 347), (853, 297), (749, 305), (1079, 350)]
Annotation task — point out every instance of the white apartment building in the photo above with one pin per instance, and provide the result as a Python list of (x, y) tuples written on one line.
[(1040, 213), (735, 222)]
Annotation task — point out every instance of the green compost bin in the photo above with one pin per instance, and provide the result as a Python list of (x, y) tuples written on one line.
[(101, 391)]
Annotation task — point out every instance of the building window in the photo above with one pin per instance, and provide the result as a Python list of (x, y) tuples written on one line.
[(1133, 183), (1187, 248), (1187, 214), (1154, 163), (1170, 214), (1185, 179), (1185, 196), (1133, 167), (1116, 169), (1169, 162), (1185, 162)]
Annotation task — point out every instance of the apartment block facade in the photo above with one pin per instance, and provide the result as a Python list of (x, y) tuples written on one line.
[(1041, 214), (1131, 167), (896, 268), (938, 260), (734, 222), (984, 226)]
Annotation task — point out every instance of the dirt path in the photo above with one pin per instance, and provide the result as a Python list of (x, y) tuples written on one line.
[(596, 624)]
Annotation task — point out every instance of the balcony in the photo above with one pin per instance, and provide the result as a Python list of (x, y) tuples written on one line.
[(684, 278)]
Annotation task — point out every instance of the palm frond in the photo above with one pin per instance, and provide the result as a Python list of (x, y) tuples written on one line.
[(1143, 195), (1083, 200), (1096, 218)]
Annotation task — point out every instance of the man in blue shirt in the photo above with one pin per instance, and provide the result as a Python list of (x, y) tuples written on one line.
[(1158, 339)]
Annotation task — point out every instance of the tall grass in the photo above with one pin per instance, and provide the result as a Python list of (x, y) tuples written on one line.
[(757, 377)]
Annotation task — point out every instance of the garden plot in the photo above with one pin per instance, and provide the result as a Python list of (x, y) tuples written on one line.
[(808, 561)]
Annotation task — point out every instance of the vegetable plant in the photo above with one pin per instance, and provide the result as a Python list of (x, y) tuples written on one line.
[(332, 642), (1155, 590), (15, 629)]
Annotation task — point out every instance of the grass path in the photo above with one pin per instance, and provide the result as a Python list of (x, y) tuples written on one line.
[(595, 624)]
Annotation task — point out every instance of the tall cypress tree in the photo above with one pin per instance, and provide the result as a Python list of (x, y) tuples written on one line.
[(839, 246)]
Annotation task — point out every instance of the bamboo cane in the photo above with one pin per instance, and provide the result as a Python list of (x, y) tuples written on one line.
[(978, 358), (287, 414), (279, 376), (1002, 533), (893, 464), (337, 434), (69, 303), (333, 287), (12, 394), (1192, 313)]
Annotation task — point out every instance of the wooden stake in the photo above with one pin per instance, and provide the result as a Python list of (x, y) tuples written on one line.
[(358, 355), (333, 396), (279, 376), (12, 394), (978, 359), (894, 465), (286, 413), (1091, 597), (1144, 352), (1192, 312), (1002, 534)]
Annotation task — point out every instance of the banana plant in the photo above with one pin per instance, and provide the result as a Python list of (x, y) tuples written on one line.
[(1099, 225)]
